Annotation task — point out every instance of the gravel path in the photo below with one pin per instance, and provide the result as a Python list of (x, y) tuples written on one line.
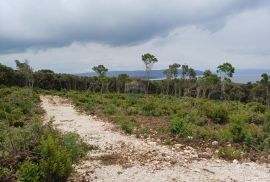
[(120, 157)]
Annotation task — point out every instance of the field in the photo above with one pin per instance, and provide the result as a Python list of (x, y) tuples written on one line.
[(31, 150), (228, 129)]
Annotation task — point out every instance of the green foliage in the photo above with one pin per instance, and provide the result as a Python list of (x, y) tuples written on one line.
[(127, 125), (4, 173), (29, 148), (229, 153), (75, 146), (110, 109), (217, 113), (180, 126), (256, 107), (132, 110), (237, 127), (56, 159), (203, 119), (30, 172)]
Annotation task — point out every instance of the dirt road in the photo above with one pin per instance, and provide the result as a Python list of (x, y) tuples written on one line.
[(120, 157)]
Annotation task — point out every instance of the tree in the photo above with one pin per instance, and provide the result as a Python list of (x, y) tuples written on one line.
[(226, 71), (149, 61), (25, 69), (6, 75), (209, 84), (185, 71), (265, 83), (168, 75), (175, 70), (101, 70), (121, 82), (192, 74)]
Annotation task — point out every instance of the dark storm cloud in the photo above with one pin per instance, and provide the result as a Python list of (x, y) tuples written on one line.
[(56, 23)]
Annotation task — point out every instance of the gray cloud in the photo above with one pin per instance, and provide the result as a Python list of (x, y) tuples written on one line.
[(56, 23)]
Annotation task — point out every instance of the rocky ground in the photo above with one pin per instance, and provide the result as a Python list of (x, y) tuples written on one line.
[(120, 157)]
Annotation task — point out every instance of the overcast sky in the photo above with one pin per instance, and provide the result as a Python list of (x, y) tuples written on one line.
[(75, 35)]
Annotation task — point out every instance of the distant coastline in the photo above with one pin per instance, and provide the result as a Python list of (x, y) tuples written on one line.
[(240, 76)]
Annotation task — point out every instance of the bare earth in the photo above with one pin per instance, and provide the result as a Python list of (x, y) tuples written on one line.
[(120, 157)]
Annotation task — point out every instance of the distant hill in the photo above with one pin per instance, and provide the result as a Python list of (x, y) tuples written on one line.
[(248, 75), (155, 74), (240, 76)]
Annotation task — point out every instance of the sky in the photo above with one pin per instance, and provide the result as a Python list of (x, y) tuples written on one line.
[(73, 36)]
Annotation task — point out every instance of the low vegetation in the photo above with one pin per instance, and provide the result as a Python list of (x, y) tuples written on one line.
[(245, 126), (29, 149), (176, 109)]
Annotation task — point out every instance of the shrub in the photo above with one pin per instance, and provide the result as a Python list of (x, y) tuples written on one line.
[(132, 110), (229, 153), (256, 118), (4, 173), (266, 124), (83, 100), (110, 110), (56, 163), (237, 127), (33, 151), (217, 113), (180, 126), (149, 109), (30, 172), (256, 107), (73, 143), (127, 125), (2, 115)]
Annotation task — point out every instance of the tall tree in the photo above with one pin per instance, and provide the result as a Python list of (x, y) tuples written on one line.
[(175, 70), (189, 84), (101, 70), (185, 70), (149, 61), (25, 69), (209, 84), (168, 75), (226, 71), (6, 75), (192, 74), (265, 83)]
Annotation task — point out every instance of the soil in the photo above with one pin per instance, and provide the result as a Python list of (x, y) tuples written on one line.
[(121, 157)]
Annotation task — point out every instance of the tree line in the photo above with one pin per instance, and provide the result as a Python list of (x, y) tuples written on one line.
[(180, 80)]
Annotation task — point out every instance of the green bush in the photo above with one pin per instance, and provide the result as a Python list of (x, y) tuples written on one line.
[(229, 153), (256, 118), (33, 151), (110, 110), (237, 127), (75, 146), (127, 125), (256, 107), (56, 163), (4, 173), (149, 109), (132, 110), (2, 115), (30, 172), (180, 126), (266, 124), (217, 113)]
